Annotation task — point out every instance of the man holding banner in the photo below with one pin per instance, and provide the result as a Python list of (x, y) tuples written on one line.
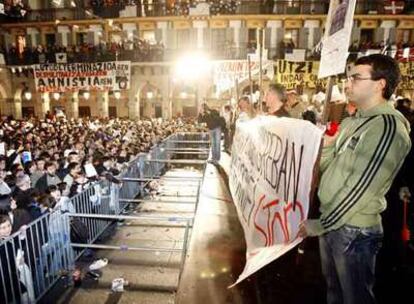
[(276, 98), (357, 168)]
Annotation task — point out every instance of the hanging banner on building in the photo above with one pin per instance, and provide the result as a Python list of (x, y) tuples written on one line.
[(270, 181), (294, 75), (72, 77), (335, 43)]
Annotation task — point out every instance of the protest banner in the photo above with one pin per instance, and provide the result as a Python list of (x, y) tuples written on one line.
[(335, 43), (270, 182), (225, 72), (72, 77), (295, 74)]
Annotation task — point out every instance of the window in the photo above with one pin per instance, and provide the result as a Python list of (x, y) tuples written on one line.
[(81, 38), (190, 111), (403, 36), (367, 35), (84, 112), (50, 39), (28, 112), (112, 112), (252, 35), (158, 111), (183, 38), (292, 35), (149, 36)]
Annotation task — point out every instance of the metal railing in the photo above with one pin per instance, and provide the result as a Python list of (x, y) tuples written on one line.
[(33, 259), (287, 7)]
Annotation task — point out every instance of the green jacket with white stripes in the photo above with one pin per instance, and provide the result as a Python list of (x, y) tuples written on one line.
[(358, 169)]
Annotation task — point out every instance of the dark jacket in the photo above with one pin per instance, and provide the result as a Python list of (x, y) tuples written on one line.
[(42, 183), (281, 113), (20, 217), (212, 118)]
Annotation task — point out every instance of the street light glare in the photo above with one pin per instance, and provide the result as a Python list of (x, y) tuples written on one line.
[(192, 66), (117, 95)]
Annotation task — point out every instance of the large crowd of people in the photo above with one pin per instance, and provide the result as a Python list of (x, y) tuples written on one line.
[(40, 157), (44, 163), (132, 50)]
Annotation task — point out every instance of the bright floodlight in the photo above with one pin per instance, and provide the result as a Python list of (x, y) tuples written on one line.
[(27, 95), (192, 66)]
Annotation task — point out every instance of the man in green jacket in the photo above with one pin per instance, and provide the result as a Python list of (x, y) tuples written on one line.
[(357, 168)]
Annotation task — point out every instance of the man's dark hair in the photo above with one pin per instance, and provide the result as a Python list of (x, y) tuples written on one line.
[(383, 67), (309, 116), (279, 90), (4, 218), (72, 166), (51, 188), (49, 164)]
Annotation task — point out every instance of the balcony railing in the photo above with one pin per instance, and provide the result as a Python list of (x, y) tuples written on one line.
[(120, 8)]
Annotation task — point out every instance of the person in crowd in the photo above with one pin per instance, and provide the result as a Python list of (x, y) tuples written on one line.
[(73, 170), (294, 105), (275, 99), (8, 267), (215, 124), (309, 116), (336, 107), (38, 171), (228, 117), (18, 217), (404, 106), (246, 111), (49, 178), (393, 257), (357, 168)]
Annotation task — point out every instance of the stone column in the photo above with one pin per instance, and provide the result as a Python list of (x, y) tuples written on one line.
[(200, 26), (74, 105), (103, 104), (45, 102), (133, 104), (17, 108), (236, 25)]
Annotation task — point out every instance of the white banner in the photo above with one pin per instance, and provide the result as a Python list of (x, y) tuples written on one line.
[(226, 72), (335, 43), (72, 77), (61, 57), (270, 181), (297, 55)]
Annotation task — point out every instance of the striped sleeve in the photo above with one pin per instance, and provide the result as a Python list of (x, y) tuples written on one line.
[(378, 157)]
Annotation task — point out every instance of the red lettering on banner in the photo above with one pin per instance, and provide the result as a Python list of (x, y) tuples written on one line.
[(279, 215)]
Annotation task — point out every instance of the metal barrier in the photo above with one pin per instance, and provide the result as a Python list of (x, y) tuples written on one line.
[(33, 259), (97, 209)]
